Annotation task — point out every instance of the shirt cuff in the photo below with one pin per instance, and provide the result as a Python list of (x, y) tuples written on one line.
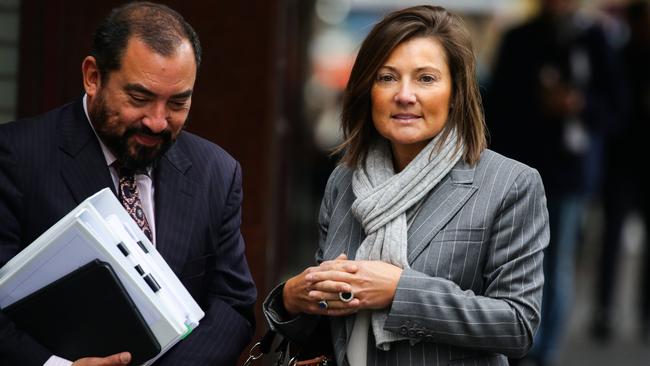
[(57, 361)]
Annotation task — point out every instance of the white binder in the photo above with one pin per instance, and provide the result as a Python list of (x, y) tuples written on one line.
[(100, 228)]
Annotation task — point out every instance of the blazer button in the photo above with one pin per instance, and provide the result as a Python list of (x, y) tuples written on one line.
[(403, 330)]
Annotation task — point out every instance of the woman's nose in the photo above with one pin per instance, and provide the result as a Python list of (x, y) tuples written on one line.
[(405, 94)]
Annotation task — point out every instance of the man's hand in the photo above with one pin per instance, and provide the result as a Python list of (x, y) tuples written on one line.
[(114, 360)]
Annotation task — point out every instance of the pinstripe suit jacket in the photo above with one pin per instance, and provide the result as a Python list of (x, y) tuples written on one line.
[(51, 163), (473, 291)]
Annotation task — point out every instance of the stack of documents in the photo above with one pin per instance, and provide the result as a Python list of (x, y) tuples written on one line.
[(98, 239)]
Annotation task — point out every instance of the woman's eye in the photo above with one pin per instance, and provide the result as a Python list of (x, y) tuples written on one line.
[(427, 79), (384, 78)]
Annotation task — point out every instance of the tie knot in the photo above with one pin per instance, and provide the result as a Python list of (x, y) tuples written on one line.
[(122, 171), (125, 172)]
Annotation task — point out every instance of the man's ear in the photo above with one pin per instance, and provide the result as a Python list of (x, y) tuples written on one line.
[(91, 76)]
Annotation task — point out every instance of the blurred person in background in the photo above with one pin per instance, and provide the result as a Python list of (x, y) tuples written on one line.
[(552, 99), (436, 241), (624, 182)]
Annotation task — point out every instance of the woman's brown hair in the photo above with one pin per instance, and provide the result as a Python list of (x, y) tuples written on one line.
[(466, 112)]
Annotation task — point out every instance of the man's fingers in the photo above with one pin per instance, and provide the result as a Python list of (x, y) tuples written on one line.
[(117, 359)]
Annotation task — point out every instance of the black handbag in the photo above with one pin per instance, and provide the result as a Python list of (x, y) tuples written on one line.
[(315, 350)]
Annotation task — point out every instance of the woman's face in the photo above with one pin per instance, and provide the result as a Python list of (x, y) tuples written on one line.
[(411, 94)]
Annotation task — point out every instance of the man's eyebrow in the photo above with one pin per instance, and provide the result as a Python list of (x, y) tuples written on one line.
[(141, 89), (183, 95)]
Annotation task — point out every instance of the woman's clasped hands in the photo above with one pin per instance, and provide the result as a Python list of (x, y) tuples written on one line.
[(341, 287)]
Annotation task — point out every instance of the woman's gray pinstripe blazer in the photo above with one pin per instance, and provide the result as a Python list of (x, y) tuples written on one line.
[(473, 291)]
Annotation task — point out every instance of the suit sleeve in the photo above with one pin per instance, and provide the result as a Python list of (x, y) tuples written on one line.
[(16, 347), (504, 318), (229, 320)]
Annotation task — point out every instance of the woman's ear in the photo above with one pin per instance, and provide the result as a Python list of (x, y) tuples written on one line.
[(91, 76)]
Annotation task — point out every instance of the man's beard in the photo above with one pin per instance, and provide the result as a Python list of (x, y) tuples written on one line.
[(142, 157)]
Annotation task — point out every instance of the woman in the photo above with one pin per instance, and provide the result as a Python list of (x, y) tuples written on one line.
[(431, 245)]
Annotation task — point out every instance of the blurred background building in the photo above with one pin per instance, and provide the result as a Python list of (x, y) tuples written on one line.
[(269, 91)]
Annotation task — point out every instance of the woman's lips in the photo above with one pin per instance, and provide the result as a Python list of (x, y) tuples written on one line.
[(405, 117)]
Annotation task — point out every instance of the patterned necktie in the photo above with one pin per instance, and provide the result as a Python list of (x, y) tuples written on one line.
[(128, 195)]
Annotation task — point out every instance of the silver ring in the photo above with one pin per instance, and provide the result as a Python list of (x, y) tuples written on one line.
[(322, 304), (346, 296)]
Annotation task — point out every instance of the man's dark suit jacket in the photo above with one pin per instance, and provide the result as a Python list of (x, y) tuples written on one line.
[(49, 164)]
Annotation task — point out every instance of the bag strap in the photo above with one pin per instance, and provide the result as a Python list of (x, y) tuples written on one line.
[(260, 348), (263, 347)]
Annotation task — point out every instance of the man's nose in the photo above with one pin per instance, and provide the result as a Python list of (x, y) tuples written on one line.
[(156, 118)]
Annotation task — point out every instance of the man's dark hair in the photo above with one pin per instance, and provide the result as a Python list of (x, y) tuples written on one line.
[(158, 26)]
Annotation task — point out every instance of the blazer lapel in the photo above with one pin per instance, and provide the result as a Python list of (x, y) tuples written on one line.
[(441, 205), (83, 166), (174, 204)]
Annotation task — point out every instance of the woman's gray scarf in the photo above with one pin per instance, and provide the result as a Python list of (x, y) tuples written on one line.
[(383, 199)]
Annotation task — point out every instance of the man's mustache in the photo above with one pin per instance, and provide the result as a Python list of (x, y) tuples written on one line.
[(165, 135)]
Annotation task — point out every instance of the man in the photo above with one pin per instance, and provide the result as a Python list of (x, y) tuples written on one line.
[(625, 186), (555, 79), (127, 129)]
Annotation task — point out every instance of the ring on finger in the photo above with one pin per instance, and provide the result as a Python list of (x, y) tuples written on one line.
[(322, 304), (346, 296)]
